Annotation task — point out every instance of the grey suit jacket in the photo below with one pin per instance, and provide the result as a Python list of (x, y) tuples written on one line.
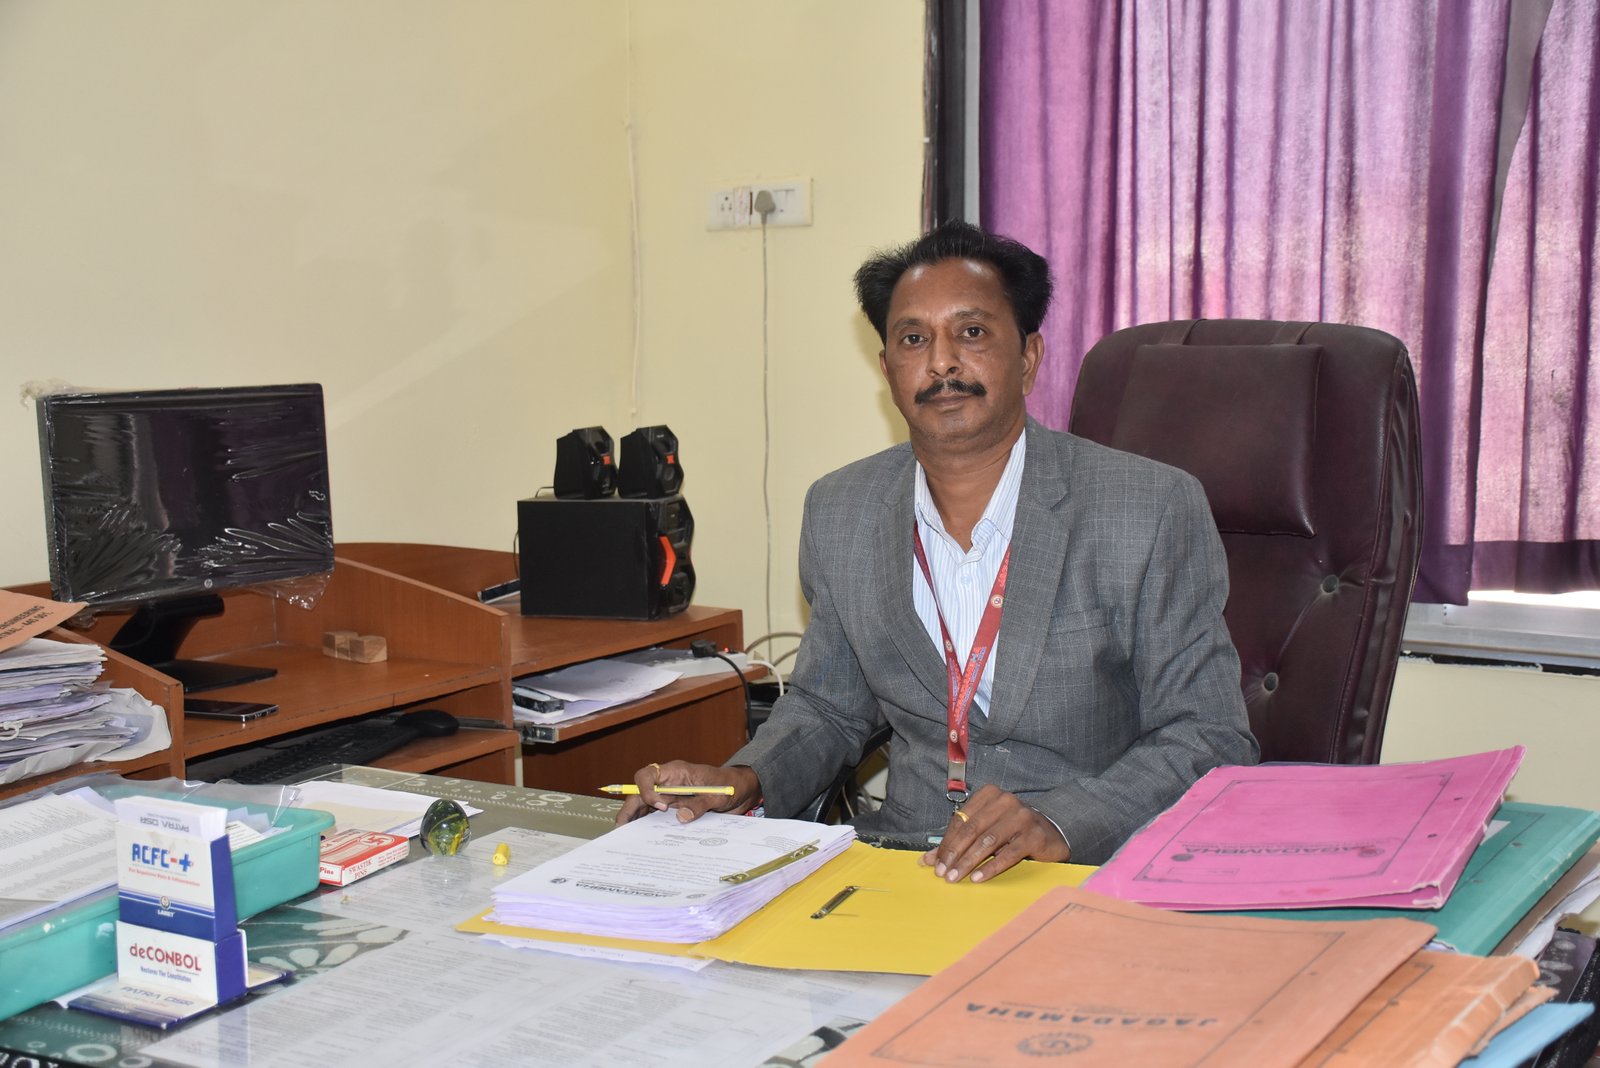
[(1115, 682)]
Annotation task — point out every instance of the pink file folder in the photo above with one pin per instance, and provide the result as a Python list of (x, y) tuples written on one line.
[(1281, 836)]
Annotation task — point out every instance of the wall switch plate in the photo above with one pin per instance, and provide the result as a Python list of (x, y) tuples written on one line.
[(733, 207)]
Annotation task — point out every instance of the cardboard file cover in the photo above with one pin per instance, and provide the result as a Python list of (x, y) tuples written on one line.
[(1384, 836), (1090, 980), (23, 617), (1431, 1012)]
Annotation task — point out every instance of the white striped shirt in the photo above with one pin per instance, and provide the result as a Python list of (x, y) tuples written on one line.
[(964, 579)]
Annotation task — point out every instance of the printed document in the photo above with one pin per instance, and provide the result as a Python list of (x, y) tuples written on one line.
[(445, 1001), (53, 850)]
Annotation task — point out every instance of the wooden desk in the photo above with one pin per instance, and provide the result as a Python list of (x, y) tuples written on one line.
[(445, 652), (700, 719)]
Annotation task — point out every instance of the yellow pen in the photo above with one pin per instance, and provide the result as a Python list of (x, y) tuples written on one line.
[(630, 790)]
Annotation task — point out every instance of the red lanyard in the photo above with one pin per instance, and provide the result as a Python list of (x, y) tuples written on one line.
[(963, 684)]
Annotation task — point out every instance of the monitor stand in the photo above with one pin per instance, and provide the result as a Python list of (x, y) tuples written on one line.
[(154, 632)]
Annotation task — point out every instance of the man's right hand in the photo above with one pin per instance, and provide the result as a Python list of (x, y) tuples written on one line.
[(746, 790)]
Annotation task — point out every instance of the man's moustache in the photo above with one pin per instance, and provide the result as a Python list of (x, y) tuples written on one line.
[(950, 385)]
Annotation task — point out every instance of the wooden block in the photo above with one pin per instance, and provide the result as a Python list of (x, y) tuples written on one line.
[(368, 649), (336, 643)]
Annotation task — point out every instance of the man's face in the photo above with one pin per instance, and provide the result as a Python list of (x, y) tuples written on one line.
[(957, 366)]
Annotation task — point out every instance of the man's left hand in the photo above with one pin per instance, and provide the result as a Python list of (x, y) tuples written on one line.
[(989, 834)]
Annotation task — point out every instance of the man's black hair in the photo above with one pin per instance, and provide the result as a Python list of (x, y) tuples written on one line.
[(1024, 274)]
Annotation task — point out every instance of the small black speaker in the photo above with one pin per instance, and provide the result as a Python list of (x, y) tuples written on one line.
[(584, 468), (612, 559), (648, 465)]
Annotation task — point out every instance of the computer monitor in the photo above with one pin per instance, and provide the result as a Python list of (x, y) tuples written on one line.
[(159, 499)]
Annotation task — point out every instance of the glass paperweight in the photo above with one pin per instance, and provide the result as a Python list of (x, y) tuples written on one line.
[(445, 828)]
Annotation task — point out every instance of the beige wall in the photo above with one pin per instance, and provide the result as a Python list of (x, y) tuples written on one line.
[(421, 206), (428, 209), (1442, 710), (841, 103)]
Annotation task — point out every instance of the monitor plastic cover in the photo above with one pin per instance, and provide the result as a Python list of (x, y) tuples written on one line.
[(156, 494)]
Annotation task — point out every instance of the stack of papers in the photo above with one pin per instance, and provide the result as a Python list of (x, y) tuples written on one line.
[(49, 716), (54, 850), (585, 688), (659, 880), (868, 910), (1281, 836)]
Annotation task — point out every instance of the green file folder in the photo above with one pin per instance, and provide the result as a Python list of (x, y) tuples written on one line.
[(1506, 875)]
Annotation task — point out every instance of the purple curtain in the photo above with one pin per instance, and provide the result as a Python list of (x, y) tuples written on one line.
[(1536, 524), (1331, 161)]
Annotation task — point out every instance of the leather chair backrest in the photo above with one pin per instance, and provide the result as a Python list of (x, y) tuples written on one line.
[(1305, 438)]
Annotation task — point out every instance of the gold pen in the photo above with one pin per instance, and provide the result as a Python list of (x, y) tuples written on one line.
[(630, 790)]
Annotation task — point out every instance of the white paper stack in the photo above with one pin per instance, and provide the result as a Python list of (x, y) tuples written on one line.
[(54, 850), (49, 716), (588, 687), (659, 880)]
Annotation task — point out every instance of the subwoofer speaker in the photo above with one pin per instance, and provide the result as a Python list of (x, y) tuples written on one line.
[(617, 558), (648, 463), (584, 467)]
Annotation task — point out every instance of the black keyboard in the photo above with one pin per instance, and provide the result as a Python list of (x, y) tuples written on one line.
[(353, 743)]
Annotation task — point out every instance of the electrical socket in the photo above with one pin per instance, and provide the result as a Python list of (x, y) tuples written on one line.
[(733, 208)]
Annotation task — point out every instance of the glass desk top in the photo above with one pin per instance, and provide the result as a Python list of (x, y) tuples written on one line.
[(426, 990)]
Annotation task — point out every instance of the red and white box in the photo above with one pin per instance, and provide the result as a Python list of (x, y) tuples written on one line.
[(351, 855)]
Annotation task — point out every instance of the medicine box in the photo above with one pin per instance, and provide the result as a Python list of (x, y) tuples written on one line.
[(77, 944), (351, 855)]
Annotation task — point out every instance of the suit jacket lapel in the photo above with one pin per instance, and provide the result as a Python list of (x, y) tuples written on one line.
[(893, 588), (1038, 554)]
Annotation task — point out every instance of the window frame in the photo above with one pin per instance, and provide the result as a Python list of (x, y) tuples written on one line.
[(1523, 631)]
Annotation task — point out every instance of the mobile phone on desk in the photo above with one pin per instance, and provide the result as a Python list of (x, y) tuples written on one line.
[(235, 710)]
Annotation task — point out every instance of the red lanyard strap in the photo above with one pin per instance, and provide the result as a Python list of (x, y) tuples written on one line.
[(963, 683)]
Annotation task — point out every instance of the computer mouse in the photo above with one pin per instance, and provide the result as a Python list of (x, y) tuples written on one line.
[(428, 722)]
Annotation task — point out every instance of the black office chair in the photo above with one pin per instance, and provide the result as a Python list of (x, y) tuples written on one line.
[(846, 797), (1305, 438)]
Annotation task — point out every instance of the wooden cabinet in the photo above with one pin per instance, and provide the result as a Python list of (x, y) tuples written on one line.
[(445, 650), (700, 719)]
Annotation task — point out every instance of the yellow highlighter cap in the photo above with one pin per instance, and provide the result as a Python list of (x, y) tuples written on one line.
[(502, 854)]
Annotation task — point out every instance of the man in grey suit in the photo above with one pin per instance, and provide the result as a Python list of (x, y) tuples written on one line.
[(1037, 618)]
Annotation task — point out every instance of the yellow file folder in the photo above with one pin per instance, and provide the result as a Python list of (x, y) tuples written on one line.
[(900, 917)]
